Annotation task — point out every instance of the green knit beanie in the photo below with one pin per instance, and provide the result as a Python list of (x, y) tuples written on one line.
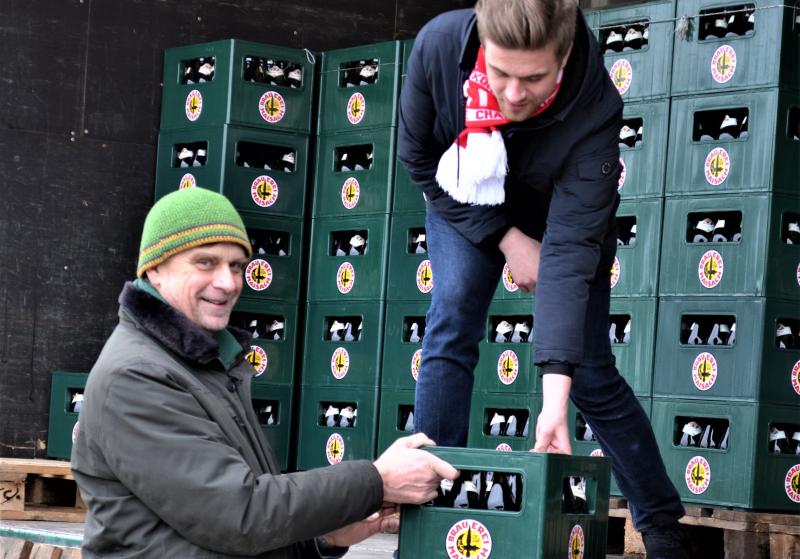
[(186, 219)]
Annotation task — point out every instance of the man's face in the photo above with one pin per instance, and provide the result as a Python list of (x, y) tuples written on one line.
[(521, 79), (203, 283)]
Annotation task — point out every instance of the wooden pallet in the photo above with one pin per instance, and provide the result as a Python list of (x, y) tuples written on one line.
[(11, 548), (745, 534), (39, 490)]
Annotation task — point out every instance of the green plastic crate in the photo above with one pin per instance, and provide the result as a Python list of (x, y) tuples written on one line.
[(273, 407), (230, 99), (539, 529), (507, 290), (752, 369), (271, 275), (581, 447), (348, 277), (768, 57), (767, 159), (761, 263), (276, 333), (402, 357), (633, 340), (252, 189), (643, 73), (63, 422), (344, 191), (524, 407), (644, 163), (343, 108), (634, 271), (394, 422), (507, 366), (746, 474), (411, 276), (320, 445)]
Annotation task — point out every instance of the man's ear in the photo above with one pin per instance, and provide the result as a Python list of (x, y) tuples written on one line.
[(566, 56), (153, 275)]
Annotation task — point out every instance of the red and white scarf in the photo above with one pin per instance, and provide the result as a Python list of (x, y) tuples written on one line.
[(473, 170)]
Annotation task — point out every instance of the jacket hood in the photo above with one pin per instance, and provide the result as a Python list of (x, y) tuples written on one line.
[(171, 327)]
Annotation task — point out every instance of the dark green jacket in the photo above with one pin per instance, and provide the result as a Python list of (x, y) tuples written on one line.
[(172, 463)]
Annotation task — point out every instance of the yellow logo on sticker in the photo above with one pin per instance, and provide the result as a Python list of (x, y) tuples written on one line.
[(704, 371), (425, 276), (723, 64), (710, 269), (792, 483), (194, 105), (356, 108), (351, 192), (272, 107), (621, 73), (334, 449), (264, 191), (468, 539), (258, 275), (258, 359), (717, 166), (416, 363), (698, 475), (345, 278), (577, 542), (796, 377), (508, 367), (187, 181), (615, 271), (340, 363), (508, 279)]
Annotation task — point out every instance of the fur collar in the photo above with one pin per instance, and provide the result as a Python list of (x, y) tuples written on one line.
[(171, 327)]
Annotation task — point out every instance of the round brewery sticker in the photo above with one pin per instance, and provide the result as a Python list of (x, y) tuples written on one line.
[(75, 431), (351, 192), (272, 107), (698, 475), (264, 191), (704, 371), (340, 363), (334, 449), (345, 277), (796, 377), (187, 181), (258, 359), (258, 274), (622, 75), (508, 279), (791, 483), (424, 276), (597, 453), (194, 105), (798, 274), (577, 541), (503, 447), (717, 166), (468, 539), (356, 107), (710, 269), (508, 367), (622, 174), (723, 64), (416, 361), (615, 271)]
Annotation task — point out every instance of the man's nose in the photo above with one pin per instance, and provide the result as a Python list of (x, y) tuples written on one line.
[(225, 278), (515, 93)]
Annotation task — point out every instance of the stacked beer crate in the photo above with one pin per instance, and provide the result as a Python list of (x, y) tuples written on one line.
[(347, 278), (235, 119)]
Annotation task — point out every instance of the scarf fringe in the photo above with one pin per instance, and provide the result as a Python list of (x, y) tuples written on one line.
[(476, 173)]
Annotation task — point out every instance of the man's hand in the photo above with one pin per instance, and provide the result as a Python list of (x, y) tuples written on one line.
[(522, 256), (552, 433), (411, 475), (386, 520)]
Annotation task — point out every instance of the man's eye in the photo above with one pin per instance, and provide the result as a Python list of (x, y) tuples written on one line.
[(238, 267), (204, 263)]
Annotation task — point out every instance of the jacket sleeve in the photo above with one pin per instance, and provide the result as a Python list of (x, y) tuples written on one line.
[(431, 97), (172, 456), (583, 202)]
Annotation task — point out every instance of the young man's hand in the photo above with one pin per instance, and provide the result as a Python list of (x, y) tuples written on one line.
[(522, 256), (552, 432)]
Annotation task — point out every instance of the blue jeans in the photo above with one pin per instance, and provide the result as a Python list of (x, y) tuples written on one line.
[(466, 277)]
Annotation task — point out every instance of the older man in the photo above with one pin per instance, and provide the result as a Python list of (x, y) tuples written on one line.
[(170, 458)]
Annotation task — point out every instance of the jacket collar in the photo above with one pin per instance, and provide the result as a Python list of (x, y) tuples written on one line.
[(172, 328)]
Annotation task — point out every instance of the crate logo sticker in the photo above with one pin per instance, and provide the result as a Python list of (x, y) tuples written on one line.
[(416, 361), (508, 279), (264, 191), (508, 367), (577, 541), (187, 181), (75, 430), (356, 108), (723, 64), (622, 174), (258, 274), (334, 449), (351, 192), (615, 271), (340, 363), (622, 75), (345, 278), (468, 539), (597, 453), (704, 371), (258, 359), (717, 166), (194, 105), (796, 377), (698, 475), (798, 274), (272, 107), (710, 269), (791, 483), (503, 447), (425, 276)]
